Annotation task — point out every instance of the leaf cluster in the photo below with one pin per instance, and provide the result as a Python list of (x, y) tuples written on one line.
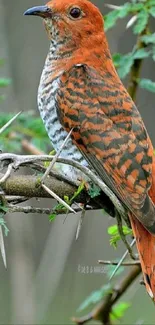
[(139, 14)]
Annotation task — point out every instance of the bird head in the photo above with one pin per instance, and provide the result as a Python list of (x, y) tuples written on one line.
[(78, 19)]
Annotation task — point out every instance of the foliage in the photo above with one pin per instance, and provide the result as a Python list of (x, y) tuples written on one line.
[(115, 236), (119, 310), (147, 84), (94, 191), (68, 200), (95, 297), (142, 11), (28, 127)]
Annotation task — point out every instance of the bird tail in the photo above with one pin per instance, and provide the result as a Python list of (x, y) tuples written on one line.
[(146, 248), (146, 245)]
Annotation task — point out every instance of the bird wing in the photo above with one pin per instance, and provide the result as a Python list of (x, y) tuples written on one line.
[(108, 130)]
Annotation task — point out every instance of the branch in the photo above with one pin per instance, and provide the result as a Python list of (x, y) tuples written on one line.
[(128, 263), (26, 185), (24, 160), (103, 310), (136, 68), (11, 208)]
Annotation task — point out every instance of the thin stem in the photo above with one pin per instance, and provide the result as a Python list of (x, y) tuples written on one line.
[(136, 68), (128, 263)]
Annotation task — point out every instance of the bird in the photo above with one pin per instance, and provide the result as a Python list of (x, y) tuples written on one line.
[(81, 91)]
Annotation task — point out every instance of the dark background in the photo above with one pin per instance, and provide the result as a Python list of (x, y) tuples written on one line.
[(44, 283)]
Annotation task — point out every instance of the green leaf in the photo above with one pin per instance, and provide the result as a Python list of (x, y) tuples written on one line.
[(142, 19), (147, 84), (112, 230), (3, 208), (136, 7), (147, 39), (111, 18), (152, 11), (124, 10), (117, 59), (4, 82), (52, 216), (119, 310), (125, 65), (3, 224), (94, 191), (151, 3), (81, 187), (141, 54), (95, 297), (115, 236)]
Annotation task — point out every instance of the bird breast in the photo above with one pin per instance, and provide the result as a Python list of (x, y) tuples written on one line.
[(47, 106)]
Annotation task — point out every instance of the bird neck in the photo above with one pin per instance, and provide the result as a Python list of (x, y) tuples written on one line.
[(72, 43), (66, 51)]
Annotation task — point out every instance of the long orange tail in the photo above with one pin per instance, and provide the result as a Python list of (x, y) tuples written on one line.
[(146, 246)]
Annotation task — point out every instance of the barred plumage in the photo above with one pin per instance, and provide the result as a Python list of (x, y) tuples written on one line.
[(80, 89)]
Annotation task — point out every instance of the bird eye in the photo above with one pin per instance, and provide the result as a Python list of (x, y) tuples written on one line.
[(75, 13)]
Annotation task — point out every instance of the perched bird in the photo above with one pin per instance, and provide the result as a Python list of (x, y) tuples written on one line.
[(80, 90)]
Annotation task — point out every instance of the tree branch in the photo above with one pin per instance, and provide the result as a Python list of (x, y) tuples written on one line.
[(103, 310), (26, 185)]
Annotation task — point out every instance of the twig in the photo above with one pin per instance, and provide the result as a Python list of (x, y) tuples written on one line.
[(2, 247), (82, 320), (122, 259), (10, 198), (55, 157), (123, 237), (136, 68), (7, 174), (56, 197), (130, 263), (103, 310), (9, 123), (29, 147), (80, 223), (48, 170), (115, 7), (29, 209)]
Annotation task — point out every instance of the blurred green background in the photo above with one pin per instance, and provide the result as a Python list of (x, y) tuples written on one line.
[(44, 282)]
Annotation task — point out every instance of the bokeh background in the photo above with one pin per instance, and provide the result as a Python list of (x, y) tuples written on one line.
[(44, 282)]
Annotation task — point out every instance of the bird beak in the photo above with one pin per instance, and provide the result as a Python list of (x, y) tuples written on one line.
[(42, 11)]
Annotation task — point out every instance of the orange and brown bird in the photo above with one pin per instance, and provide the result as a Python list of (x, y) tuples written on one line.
[(80, 90)]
